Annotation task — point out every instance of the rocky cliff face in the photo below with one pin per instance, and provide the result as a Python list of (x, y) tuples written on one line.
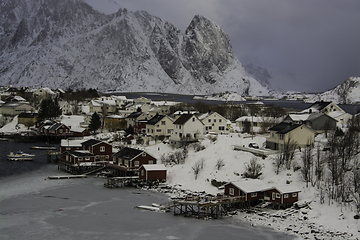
[(67, 44)]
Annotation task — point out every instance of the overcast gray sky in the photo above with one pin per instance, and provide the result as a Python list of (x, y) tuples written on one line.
[(306, 45)]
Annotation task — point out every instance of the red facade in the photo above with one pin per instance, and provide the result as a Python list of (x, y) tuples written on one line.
[(152, 174), (136, 162), (101, 150), (272, 194)]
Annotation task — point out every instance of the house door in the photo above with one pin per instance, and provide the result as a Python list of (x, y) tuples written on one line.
[(273, 196)]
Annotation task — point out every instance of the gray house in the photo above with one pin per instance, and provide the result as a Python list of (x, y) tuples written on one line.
[(317, 121)]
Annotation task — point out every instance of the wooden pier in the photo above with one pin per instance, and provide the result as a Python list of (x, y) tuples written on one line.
[(66, 177), (204, 207), (116, 182)]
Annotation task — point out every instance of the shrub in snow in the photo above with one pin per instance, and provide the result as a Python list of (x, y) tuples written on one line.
[(219, 164), (252, 169)]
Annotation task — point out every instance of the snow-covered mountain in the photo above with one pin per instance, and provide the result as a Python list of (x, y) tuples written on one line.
[(68, 44), (347, 92)]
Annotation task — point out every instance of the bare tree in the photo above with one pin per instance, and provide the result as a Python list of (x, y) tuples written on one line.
[(198, 166), (307, 161), (252, 169), (219, 164)]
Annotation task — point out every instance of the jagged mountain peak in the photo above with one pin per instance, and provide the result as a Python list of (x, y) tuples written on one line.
[(69, 44)]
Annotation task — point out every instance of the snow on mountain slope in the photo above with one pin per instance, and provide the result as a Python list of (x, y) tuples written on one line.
[(346, 93), (68, 44)]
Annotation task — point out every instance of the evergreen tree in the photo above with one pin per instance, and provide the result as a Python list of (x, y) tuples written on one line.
[(49, 109), (95, 122)]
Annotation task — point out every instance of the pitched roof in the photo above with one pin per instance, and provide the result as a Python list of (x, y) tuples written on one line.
[(128, 153), (55, 126), (183, 119), (154, 167), (284, 127), (80, 153), (319, 105), (134, 115), (91, 142), (155, 119)]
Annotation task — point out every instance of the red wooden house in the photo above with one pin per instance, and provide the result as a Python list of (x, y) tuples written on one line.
[(78, 158), (131, 159), (101, 150), (152, 172), (254, 191)]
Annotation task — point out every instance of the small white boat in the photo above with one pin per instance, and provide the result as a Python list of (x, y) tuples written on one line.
[(20, 156)]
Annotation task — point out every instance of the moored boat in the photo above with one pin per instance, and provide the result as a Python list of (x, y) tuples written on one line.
[(43, 148), (20, 156)]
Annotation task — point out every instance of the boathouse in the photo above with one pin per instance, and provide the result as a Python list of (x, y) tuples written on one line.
[(152, 172), (254, 191)]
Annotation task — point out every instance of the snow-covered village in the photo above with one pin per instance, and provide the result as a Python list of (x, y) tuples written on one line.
[(189, 119), (295, 171)]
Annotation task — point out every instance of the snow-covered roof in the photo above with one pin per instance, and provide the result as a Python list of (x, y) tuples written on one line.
[(251, 185), (336, 114), (71, 143), (154, 167)]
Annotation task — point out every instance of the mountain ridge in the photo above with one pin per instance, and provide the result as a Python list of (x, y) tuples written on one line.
[(68, 44)]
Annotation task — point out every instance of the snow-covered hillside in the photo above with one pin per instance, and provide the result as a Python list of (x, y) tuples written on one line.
[(68, 44)]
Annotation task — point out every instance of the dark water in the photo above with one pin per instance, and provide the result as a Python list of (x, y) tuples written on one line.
[(8, 168), (297, 105), (34, 207)]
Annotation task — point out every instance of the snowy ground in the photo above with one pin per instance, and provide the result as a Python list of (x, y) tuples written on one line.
[(321, 221)]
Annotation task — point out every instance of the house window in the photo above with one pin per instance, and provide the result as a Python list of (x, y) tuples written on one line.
[(277, 195), (221, 128), (214, 120), (158, 130), (67, 157), (80, 159), (209, 120), (151, 162), (102, 148), (180, 135), (193, 119), (169, 131), (179, 126), (60, 130), (136, 163), (126, 163), (294, 194), (286, 195), (143, 154), (255, 124), (219, 120), (87, 159), (231, 191), (162, 122), (253, 194), (142, 172), (281, 136)]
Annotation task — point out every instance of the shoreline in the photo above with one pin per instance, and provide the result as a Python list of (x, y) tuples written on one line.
[(297, 224)]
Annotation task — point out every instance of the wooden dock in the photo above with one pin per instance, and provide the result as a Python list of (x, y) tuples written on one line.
[(204, 207), (66, 177), (116, 182)]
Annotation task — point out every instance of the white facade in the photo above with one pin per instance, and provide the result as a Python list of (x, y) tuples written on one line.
[(187, 126), (214, 122)]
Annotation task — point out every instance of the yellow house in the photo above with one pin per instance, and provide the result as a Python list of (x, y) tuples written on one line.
[(27, 119), (115, 122), (284, 133)]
